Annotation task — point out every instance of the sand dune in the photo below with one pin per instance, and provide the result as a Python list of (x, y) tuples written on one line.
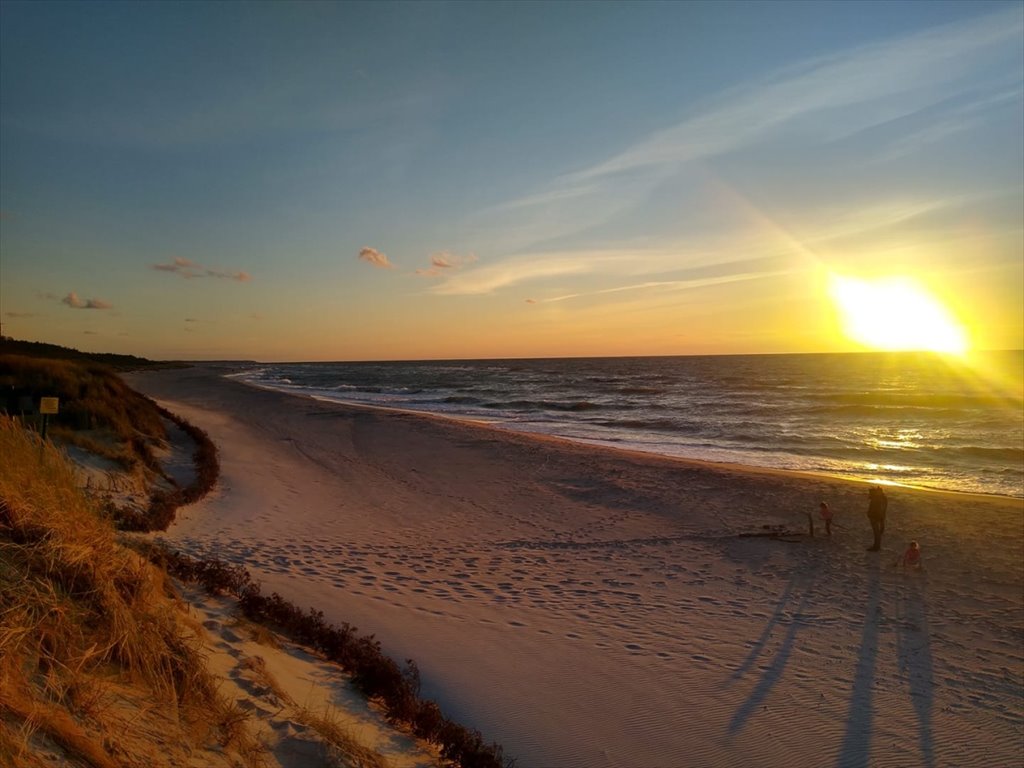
[(588, 607)]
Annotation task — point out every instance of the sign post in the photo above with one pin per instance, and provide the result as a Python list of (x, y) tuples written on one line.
[(47, 406)]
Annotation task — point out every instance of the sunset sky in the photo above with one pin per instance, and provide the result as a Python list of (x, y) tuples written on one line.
[(315, 181)]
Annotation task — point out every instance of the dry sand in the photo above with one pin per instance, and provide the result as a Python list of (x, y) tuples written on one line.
[(591, 607)]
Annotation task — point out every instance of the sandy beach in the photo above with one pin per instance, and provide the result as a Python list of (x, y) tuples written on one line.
[(588, 607)]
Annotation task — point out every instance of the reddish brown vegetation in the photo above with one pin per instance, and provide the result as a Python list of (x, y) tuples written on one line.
[(376, 675), (164, 504)]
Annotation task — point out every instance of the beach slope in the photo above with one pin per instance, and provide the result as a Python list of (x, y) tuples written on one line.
[(590, 607)]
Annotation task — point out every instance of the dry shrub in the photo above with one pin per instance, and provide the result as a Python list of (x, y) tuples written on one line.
[(374, 674), (163, 505), (76, 608)]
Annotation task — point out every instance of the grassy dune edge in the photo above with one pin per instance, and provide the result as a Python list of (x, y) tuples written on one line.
[(375, 675), (94, 656), (91, 622)]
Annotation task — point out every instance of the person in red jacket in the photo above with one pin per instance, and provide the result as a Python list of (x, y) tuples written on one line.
[(826, 514), (911, 557)]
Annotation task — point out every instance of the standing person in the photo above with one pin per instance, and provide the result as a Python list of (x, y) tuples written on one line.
[(876, 515), (826, 514)]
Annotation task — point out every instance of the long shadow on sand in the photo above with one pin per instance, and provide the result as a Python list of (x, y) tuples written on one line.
[(856, 747), (915, 659), (773, 672)]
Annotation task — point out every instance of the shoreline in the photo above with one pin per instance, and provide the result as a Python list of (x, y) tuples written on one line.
[(588, 606), (636, 452)]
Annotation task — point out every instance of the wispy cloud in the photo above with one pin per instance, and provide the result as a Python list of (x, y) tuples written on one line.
[(685, 261), (72, 300), (868, 84), (375, 257), (445, 262), (522, 269), (189, 269), (674, 285), (17, 315), (951, 121), (818, 100)]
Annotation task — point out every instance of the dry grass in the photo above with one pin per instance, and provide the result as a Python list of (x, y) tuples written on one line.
[(80, 615), (257, 632), (92, 397), (343, 748)]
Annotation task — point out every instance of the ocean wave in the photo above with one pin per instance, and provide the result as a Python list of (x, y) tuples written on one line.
[(928, 400), (879, 410), (641, 391), (655, 425), (998, 454), (545, 405)]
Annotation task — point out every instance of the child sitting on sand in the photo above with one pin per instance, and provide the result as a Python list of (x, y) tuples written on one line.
[(826, 514), (911, 558)]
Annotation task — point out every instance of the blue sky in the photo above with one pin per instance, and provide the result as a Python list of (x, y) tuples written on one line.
[(527, 179)]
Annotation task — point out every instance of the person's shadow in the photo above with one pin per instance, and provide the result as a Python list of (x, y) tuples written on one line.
[(773, 672), (915, 658), (856, 746)]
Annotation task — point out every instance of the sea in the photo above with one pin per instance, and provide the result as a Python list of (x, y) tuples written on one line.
[(914, 419)]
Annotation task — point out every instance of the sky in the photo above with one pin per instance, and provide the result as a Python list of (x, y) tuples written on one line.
[(321, 181)]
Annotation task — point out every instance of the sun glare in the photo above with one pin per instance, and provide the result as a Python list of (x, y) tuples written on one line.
[(896, 313)]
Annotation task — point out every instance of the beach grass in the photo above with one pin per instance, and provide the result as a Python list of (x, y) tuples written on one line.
[(85, 622), (100, 414), (83, 614), (98, 411)]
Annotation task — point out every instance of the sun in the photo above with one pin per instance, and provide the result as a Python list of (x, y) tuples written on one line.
[(896, 313)]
